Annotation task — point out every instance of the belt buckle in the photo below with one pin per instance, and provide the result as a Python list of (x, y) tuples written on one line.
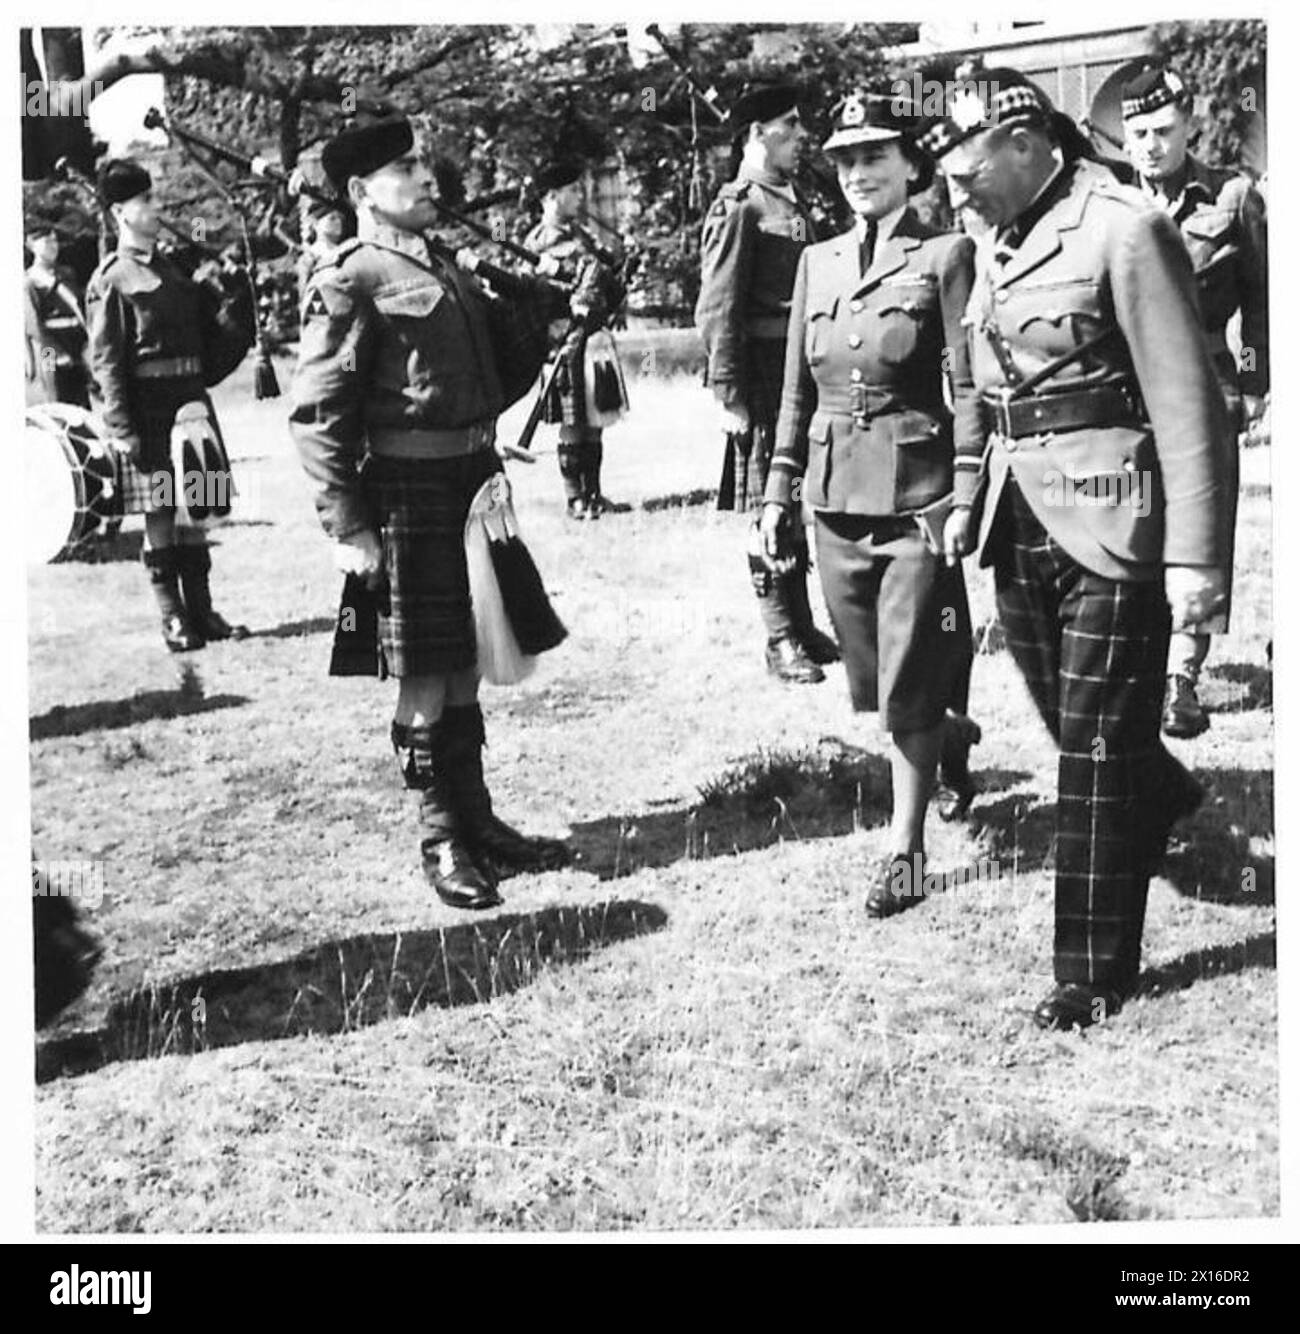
[(858, 405), (1002, 412)]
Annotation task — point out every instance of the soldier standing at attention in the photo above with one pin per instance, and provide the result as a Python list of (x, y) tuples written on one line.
[(395, 405), (155, 339), (563, 242), (55, 326), (1222, 221), (1104, 482), (754, 233)]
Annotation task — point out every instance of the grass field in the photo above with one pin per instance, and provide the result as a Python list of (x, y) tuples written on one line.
[(696, 1026)]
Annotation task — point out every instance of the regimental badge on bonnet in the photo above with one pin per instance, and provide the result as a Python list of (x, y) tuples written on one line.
[(1151, 89)]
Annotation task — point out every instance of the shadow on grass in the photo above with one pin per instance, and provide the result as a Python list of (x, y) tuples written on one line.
[(680, 500), (1210, 856), (1259, 951), (1237, 687), (312, 625), (105, 714), (104, 549), (345, 985), (825, 791)]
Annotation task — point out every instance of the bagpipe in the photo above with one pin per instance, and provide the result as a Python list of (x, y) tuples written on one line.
[(824, 199), (228, 291)]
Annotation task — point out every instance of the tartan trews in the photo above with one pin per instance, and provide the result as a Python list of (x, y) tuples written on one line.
[(1092, 652)]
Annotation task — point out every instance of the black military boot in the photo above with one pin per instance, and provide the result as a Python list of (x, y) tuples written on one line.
[(1184, 716), (956, 788), (503, 847), (178, 633), (785, 655), (195, 563), (821, 648), (457, 876), (569, 455)]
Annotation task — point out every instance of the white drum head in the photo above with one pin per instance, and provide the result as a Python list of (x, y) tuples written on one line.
[(50, 494)]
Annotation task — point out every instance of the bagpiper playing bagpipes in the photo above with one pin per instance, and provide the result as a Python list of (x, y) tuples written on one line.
[(405, 364), (159, 339), (588, 391)]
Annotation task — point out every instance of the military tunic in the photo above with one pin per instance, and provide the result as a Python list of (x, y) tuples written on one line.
[(56, 336), (1104, 475), (157, 340), (865, 441), (753, 236), (395, 402)]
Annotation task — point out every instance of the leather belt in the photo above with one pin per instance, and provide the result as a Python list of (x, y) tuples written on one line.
[(168, 368), (859, 401), (394, 442), (1073, 410)]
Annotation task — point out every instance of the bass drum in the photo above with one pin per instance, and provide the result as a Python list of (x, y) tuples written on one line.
[(70, 475)]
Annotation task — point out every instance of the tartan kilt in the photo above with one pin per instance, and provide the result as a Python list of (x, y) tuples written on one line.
[(748, 454), (154, 405), (425, 623), (566, 402)]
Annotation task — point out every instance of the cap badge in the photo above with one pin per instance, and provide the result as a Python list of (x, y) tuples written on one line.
[(967, 110), (853, 114)]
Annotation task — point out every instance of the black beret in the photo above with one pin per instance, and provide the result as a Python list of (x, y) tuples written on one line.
[(121, 179), (556, 175), (1151, 89), (765, 103), (363, 150)]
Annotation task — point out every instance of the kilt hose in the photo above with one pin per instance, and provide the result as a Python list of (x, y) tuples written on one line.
[(1092, 652), (748, 454), (425, 620)]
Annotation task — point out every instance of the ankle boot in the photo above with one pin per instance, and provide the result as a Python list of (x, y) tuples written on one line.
[(195, 563), (505, 848), (178, 633), (821, 648), (457, 876)]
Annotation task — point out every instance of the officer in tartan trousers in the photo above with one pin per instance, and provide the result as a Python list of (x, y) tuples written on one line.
[(1102, 483)]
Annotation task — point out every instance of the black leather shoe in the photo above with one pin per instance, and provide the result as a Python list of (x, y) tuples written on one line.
[(898, 884), (956, 789), (787, 661), (458, 879), (576, 508), (510, 850), (215, 626), (1074, 1005), (1183, 716), (821, 648), (180, 636)]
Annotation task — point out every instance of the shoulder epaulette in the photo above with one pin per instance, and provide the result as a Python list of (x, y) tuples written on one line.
[(339, 254)]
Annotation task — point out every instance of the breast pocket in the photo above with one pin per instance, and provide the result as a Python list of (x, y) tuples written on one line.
[(403, 302), (1207, 232), (1057, 317), (903, 314), (818, 324)]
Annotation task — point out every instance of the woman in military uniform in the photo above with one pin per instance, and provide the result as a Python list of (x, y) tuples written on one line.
[(865, 439), (560, 238)]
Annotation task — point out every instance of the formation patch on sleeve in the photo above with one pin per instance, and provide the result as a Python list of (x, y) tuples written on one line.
[(315, 305)]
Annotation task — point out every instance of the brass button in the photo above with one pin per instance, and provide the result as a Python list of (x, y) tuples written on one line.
[(999, 296), (855, 340), (855, 375), (1011, 446), (855, 306)]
